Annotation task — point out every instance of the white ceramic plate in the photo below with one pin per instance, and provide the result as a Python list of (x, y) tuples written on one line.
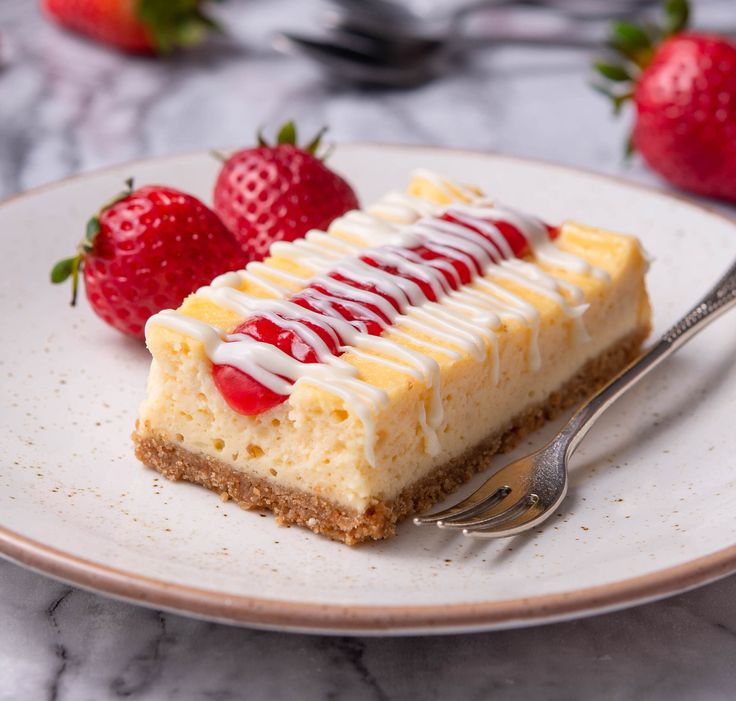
[(651, 506)]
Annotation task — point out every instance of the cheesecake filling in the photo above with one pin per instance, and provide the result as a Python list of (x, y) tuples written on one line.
[(430, 277)]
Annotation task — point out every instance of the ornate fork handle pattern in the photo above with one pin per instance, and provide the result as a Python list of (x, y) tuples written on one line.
[(722, 294), (719, 300)]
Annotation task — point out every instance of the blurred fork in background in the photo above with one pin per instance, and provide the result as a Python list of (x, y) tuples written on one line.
[(385, 43)]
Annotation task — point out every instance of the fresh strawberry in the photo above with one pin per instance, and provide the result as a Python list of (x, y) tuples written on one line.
[(146, 251), (683, 86), (278, 193), (137, 26)]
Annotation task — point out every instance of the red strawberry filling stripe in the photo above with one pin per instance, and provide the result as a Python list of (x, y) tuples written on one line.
[(246, 395)]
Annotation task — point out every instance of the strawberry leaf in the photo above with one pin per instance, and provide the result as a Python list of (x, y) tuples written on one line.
[(315, 143), (65, 269), (287, 134), (631, 36), (175, 23), (677, 15), (639, 57), (62, 270), (93, 228), (612, 71), (633, 43), (638, 44), (618, 99)]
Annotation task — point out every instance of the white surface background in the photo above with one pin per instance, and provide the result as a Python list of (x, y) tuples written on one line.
[(67, 106)]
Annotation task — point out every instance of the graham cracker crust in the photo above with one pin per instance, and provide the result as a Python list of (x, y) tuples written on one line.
[(291, 506)]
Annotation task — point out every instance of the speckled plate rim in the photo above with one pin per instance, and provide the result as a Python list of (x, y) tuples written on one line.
[(307, 617), (368, 620)]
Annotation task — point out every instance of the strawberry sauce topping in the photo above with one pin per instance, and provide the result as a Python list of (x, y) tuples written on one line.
[(370, 293)]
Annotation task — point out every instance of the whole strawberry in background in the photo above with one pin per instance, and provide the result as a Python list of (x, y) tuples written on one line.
[(683, 86), (137, 26), (146, 251), (278, 193)]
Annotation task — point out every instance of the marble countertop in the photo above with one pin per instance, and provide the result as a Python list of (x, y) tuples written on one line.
[(67, 106)]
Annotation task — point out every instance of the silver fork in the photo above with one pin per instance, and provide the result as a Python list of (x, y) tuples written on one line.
[(385, 43), (528, 491)]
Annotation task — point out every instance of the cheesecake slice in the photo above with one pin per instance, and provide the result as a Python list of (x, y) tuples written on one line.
[(361, 374)]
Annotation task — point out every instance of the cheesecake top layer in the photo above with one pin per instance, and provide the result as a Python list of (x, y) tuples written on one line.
[(403, 282)]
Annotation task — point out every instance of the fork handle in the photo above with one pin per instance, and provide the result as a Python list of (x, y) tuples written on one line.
[(718, 301)]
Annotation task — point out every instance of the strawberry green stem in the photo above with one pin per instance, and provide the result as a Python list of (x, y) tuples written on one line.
[(175, 23), (633, 48), (287, 134), (71, 267)]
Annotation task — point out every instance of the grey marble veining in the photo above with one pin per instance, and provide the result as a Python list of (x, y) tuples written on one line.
[(67, 106), (57, 642)]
